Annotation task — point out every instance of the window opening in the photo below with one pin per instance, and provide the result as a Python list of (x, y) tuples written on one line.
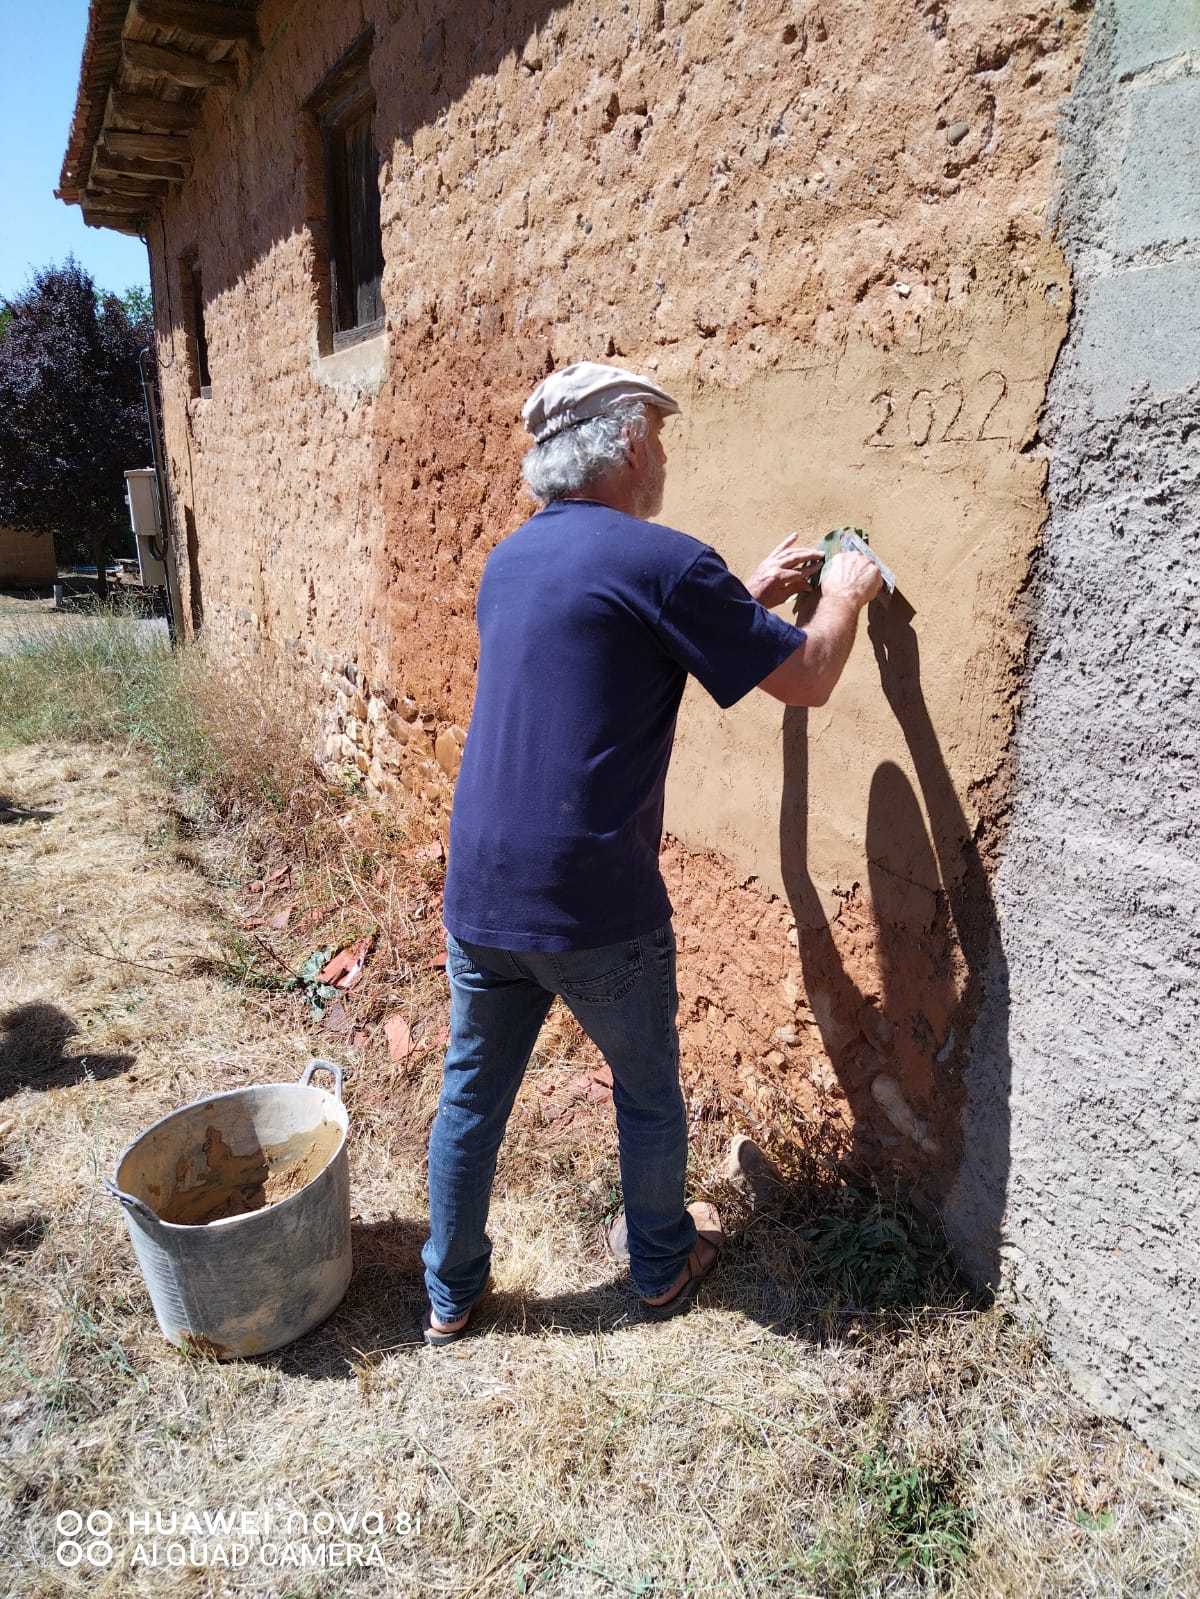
[(193, 299), (356, 243), (348, 237)]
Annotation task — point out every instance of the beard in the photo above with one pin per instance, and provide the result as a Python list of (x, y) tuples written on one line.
[(648, 497)]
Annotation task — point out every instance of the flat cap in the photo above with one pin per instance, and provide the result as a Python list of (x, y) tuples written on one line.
[(584, 390)]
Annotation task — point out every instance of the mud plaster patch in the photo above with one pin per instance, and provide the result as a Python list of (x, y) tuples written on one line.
[(924, 445), (863, 832)]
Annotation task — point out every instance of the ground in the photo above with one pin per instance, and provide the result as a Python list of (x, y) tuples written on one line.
[(806, 1430)]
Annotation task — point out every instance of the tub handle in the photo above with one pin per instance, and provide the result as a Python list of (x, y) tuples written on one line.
[(131, 1202), (323, 1065)]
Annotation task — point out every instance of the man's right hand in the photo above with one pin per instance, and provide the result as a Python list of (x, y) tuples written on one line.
[(853, 578), (809, 674)]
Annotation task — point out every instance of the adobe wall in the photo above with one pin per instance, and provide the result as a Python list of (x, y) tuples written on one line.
[(825, 226), (1084, 1062)]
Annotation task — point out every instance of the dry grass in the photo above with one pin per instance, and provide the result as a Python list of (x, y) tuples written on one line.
[(776, 1441), (19, 612)]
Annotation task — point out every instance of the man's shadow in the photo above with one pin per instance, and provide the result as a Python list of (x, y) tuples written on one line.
[(10, 811), (34, 1054), (901, 1050)]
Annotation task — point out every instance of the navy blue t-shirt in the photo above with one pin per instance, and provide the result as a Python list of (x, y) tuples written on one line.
[(589, 623)]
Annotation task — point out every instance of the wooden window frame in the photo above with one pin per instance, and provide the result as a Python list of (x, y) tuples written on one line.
[(349, 239)]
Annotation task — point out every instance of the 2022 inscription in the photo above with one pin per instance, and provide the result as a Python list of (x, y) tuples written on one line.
[(943, 416)]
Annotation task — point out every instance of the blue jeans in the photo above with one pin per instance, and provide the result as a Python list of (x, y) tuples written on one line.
[(625, 999)]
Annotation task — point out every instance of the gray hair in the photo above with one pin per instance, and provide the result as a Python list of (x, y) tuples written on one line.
[(571, 460)]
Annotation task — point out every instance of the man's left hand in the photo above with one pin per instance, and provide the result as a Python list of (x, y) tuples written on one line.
[(788, 570)]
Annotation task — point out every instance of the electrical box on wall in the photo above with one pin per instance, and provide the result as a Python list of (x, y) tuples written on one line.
[(141, 491)]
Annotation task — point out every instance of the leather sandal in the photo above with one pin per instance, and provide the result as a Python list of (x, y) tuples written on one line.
[(439, 1337), (708, 1234)]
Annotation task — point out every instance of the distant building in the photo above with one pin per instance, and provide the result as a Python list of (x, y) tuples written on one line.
[(27, 560)]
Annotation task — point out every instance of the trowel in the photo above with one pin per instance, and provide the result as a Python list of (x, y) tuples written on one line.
[(854, 541)]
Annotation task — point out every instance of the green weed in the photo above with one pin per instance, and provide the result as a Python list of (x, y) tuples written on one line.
[(1104, 1522), (878, 1255), (918, 1512), (242, 966)]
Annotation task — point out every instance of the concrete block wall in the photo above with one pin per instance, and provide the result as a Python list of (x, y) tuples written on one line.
[(1083, 1064)]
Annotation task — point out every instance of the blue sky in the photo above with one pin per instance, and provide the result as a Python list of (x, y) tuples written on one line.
[(39, 74)]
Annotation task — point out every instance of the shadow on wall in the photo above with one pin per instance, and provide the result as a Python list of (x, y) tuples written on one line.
[(900, 1054), (466, 41), (423, 64), (195, 590)]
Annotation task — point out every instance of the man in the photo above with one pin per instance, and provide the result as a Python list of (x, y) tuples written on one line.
[(590, 619)]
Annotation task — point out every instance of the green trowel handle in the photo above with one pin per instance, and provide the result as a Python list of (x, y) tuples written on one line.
[(856, 540)]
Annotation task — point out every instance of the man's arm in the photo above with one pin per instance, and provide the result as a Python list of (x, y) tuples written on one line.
[(810, 674)]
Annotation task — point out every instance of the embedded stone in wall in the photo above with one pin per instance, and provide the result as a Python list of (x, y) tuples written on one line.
[(448, 750), (888, 1094), (388, 740)]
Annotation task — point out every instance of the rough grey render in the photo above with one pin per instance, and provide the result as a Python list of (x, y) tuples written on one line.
[(1084, 1080)]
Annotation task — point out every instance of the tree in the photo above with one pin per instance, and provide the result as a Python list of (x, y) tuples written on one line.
[(72, 418), (138, 305)]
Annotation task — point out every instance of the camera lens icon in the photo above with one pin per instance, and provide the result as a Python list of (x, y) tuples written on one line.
[(83, 1538)]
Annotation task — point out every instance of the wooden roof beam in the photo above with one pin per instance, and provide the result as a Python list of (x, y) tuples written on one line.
[(124, 187), (172, 147), (164, 116), (107, 163), (203, 19), (189, 71), (119, 221)]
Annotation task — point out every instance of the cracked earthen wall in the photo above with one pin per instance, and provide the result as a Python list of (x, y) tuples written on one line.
[(826, 228)]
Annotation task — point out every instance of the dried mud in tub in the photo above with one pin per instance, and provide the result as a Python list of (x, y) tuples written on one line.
[(239, 1184)]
